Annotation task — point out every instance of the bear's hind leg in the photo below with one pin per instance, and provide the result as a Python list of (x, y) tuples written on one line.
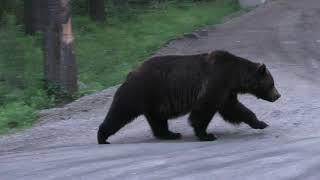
[(236, 112), (159, 127), (199, 119), (114, 121)]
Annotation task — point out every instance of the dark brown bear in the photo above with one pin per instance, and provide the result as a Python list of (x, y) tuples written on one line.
[(170, 86)]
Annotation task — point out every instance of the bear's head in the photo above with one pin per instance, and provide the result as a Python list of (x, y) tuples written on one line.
[(263, 85)]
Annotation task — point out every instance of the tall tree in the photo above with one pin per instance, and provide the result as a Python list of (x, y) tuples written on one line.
[(29, 23), (2, 9), (60, 66), (97, 10), (35, 15), (6, 7)]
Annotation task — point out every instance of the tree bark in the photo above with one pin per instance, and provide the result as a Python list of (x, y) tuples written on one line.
[(68, 70), (1, 16), (1, 11), (97, 10), (28, 16), (52, 55), (35, 15), (5, 7), (60, 65)]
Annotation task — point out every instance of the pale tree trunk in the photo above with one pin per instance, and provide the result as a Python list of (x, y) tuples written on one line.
[(68, 71), (60, 66)]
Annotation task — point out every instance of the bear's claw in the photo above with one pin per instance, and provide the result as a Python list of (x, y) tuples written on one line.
[(207, 137), (170, 136), (260, 125), (103, 142)]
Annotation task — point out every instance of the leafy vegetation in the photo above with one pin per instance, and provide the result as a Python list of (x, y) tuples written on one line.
[(105, 52)]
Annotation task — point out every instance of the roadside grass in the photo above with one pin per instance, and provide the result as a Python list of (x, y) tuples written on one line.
[(20, 78), (105, 52)]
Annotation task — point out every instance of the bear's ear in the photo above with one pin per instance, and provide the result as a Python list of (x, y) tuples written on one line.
[(262, 69)]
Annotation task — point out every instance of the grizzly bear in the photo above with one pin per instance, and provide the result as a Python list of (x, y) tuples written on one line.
[(166, 87)]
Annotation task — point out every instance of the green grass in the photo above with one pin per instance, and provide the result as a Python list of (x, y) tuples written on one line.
[(21, 93), (105, 52)]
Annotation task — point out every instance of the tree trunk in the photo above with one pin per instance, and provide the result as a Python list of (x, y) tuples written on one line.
[(1, 16), (97, 10), (60, 66), (1, 10), (52, 55), (68, 72), (35, 15), (28, 16), (5, 7)]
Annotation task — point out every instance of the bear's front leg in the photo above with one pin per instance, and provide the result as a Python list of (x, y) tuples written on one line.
[(199, 120), (236, 112)]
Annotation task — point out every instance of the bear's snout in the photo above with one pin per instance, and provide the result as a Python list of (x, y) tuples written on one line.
[(274, 95), (276, 98)]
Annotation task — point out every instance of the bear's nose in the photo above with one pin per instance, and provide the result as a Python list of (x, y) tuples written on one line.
[(276, 97)]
